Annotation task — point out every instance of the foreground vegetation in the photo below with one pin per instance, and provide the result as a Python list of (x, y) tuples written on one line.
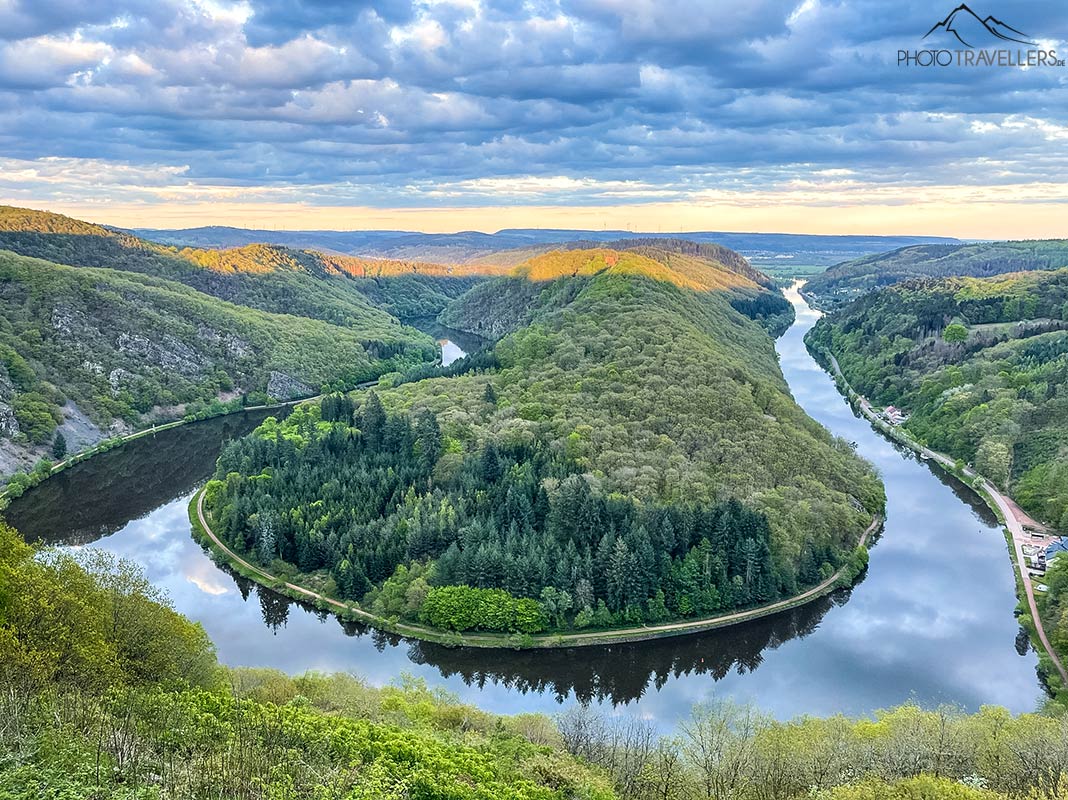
[(630, 454), (845, 282), (981, 366), (107, 693)]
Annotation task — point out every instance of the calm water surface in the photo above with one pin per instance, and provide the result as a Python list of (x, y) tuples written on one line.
[(932, 620), (454, 344)]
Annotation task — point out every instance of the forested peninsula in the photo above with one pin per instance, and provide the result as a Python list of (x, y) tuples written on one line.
[(627, 452)]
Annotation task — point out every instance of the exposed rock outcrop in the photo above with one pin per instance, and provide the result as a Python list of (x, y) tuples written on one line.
[(117, 377), (71, 325), (9, 426), (234, 345), (7, 388), (79, 431), (284, 387), (169, 352)]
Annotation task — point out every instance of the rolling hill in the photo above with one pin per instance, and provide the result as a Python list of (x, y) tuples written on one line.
[(981, 365), (513, 245), (498, 307), (95, 351), (360, 293), (845, 282)]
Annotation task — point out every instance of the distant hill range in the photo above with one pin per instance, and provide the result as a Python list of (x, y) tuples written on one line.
[(514, 245), (845, 282)]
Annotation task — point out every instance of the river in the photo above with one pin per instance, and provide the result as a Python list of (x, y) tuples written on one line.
[(932, 620)]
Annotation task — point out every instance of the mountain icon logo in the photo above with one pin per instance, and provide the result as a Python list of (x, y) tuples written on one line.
[(973, 31)]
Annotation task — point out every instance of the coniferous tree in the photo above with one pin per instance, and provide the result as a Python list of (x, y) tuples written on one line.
[(373, 422)]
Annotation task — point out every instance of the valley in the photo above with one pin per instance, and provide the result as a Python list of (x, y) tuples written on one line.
[(975, 370), (493, 400), (795, 662), (478, 473)]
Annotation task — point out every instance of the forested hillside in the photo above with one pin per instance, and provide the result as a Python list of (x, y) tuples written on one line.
[(629, 452), (99, 351), (845, 282), (343, 290), (724, 258), (981, 365), (499, 307)]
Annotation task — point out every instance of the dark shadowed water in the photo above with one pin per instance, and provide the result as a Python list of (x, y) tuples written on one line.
[(932, 620)]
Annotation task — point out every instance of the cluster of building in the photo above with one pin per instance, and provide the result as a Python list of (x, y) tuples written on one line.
[(1042, 551), (894, 415)]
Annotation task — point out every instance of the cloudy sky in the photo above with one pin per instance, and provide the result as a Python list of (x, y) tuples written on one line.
[(773, 115)]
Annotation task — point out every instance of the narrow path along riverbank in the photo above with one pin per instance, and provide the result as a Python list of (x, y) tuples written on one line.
[(1003, 505), (621, 635)]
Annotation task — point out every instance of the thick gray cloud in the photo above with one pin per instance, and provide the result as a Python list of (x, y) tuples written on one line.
[(400, 102)]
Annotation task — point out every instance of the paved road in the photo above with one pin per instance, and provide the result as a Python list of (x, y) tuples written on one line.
[(565, 639), (1006, 506)]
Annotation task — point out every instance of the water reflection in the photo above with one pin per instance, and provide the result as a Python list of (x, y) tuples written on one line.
[(107, 492), (454, 344), (932, 620)]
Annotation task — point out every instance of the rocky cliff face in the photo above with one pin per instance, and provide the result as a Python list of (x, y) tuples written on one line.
[(9, 425), (168, 352), (284, 387)]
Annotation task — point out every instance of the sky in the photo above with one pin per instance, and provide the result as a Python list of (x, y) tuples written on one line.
[(444, 115)]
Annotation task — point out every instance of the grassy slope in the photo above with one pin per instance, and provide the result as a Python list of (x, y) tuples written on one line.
[(997, 399), (667, 392), (847, 281)]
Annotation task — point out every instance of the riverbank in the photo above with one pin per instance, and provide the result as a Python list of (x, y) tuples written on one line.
[(206, 536), (1003, 507)]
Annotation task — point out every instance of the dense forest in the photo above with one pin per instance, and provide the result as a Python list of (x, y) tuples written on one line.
[(844, 282), (498, 307), (373, 501), (115, 350), (106, 692), (725, 258), (355, 292), (631, 453), (981, 366)]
